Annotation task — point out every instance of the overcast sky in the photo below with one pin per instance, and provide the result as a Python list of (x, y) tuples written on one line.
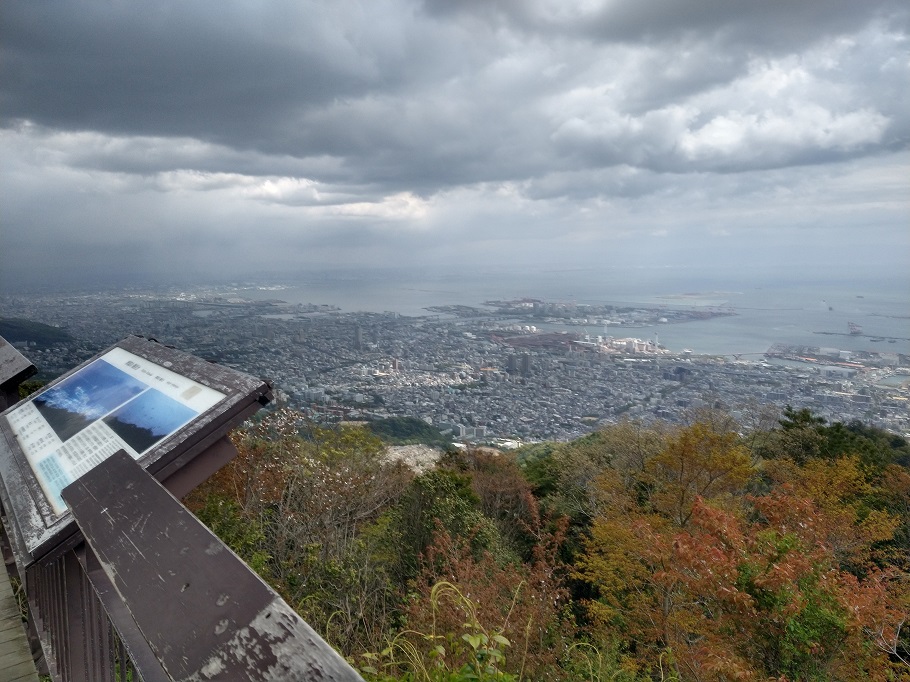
[(181, 139)]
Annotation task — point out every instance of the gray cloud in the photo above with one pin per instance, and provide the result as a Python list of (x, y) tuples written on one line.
[(160, 135), (777, 25)]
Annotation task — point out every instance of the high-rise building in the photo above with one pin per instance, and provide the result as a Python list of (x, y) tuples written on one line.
[(358, 337)]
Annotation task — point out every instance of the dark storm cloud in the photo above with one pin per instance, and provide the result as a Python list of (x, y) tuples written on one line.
[(405, 99), (167, 68), (292, 80)]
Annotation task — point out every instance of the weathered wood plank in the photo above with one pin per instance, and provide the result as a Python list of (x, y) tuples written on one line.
[(131, 637), (204, 613), (10, 626), (18, 672), (16, 664)]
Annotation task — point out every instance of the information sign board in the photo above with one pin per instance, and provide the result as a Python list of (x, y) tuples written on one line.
[(158, 404), (119, 400)]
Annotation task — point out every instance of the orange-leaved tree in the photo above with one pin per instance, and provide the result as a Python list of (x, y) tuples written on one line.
[(738, 596)]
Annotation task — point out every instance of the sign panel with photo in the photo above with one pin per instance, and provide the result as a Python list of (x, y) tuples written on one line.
[(120, 400), (165, 408)]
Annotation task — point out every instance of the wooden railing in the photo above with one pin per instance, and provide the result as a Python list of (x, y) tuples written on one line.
[(126, 584), (151, 594)]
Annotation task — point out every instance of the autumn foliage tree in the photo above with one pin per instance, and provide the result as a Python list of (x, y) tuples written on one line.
[(698, 462), (734, 598), (707, 551), (726, 585)]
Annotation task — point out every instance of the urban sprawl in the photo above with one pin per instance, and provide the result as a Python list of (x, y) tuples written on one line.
[(483, 374)]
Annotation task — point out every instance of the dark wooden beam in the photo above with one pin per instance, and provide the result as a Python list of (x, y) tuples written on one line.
[(14, 369), (203, 612)]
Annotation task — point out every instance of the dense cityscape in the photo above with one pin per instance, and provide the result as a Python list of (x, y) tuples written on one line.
[(485, 374)]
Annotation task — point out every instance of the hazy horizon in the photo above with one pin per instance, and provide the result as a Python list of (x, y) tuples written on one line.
[(543, 282)]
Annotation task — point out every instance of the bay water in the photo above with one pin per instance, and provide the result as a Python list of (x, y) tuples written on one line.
[(768, 309)]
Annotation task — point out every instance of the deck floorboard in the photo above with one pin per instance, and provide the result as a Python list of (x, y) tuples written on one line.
[(16, 664)]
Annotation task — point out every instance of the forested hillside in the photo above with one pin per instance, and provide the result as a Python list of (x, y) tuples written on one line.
[(705, 552), (407, 431), (13, 329)]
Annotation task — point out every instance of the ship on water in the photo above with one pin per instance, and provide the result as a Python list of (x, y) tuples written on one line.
[(855, 329)]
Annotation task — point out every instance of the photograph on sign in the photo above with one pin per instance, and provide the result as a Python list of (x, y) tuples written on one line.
[(147, 419), (120, 400), (86, 397)]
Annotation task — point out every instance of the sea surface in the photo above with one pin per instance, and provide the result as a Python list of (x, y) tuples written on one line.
[(768, 310)]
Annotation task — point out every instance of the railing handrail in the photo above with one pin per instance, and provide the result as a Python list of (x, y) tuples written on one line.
[(154, 594)]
